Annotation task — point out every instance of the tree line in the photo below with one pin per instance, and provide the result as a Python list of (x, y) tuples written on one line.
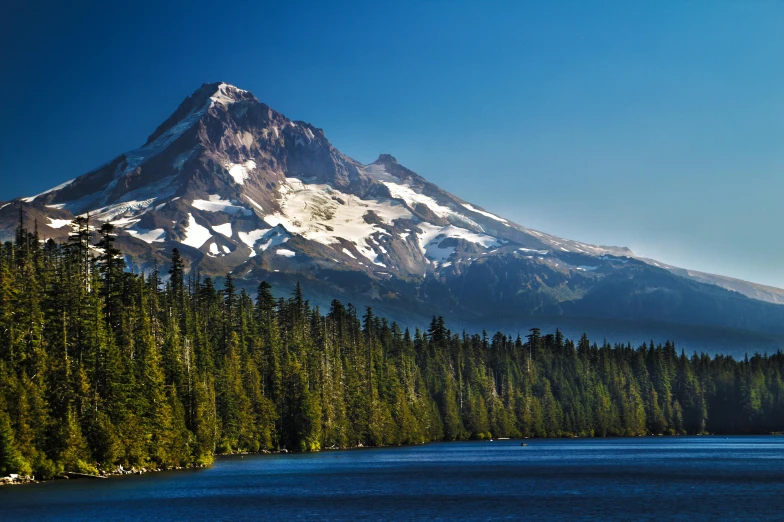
[(101, 367)]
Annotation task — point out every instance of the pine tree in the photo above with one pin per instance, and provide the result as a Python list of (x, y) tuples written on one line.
[(11, 459), (101, 367)]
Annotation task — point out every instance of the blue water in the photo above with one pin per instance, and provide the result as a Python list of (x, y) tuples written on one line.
[(641, 478)]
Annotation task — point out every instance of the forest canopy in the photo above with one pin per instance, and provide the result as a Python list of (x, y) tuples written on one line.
[(102, 367)]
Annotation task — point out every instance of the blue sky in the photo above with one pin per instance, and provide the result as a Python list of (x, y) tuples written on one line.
[(655, 125)]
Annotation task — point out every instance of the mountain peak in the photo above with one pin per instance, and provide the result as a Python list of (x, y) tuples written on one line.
[(227, 93), (228, 180), (385, 159), (203, 98), (213, 89)]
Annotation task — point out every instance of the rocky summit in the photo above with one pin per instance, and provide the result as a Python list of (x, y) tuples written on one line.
[(239, 188)]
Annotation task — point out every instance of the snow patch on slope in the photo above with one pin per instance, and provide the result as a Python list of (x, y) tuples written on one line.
[(224, 229), (274, 237), (432, 236), (195, 234), (59, 223), (251, 238), (225, 94), (240, 171), (412, 197), (156, 235), (122, 214), (486, 214), (540, 252), (320, 213), (216, 204)]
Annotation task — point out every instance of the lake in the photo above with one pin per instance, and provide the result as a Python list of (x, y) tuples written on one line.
[(636, 478)]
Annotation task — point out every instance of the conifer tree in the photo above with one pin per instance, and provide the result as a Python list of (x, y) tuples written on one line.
[(102, 367), (11, 459)]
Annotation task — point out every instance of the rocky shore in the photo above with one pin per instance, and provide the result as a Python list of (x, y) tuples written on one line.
[(13, 479), (119, 470)]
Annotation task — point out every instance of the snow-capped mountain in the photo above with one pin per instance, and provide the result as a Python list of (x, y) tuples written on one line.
[(230, 177), (237, 186)]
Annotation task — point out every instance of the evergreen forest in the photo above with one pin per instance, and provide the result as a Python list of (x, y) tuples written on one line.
[(101, 367)]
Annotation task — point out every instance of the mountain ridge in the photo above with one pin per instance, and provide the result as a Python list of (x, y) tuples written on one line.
[(238, 187)]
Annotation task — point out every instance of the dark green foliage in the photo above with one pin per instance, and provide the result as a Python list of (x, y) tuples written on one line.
[(11, 460), (100, 368)]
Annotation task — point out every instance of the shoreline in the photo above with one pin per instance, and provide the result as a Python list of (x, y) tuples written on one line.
[(21, 480)]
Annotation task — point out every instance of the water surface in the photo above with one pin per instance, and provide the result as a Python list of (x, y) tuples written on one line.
[(640, 478)]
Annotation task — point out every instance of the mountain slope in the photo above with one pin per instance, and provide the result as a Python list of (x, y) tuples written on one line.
[(236, 186)]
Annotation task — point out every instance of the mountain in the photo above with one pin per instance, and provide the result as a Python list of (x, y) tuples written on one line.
[(238, 187)]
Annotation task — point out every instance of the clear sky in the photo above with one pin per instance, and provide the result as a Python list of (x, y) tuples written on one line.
[(655, 125)]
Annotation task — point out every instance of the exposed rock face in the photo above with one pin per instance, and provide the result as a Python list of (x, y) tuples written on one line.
[(237, 186)]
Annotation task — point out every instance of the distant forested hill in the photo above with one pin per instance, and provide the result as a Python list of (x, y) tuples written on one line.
[(100, 367)]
